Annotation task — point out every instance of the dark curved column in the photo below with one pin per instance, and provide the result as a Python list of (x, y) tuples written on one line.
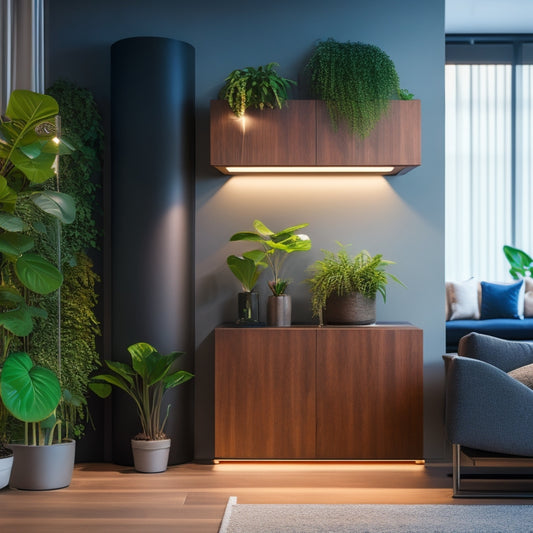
[(152, 162)]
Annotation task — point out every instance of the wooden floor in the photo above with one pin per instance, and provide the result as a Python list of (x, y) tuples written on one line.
[(191, 498)]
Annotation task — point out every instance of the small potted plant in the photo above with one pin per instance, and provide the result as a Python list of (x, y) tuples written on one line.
[(276, 247), (255, 87), (32, 393), (145, 381), (247, 269), (344, 288)]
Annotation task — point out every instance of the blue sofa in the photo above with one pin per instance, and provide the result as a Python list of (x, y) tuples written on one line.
[(503, 328), (495, 309)]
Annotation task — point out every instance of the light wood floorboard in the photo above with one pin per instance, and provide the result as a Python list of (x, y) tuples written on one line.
[(191, 498)]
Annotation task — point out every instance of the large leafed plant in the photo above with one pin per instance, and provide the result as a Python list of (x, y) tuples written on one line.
[(28, 149)]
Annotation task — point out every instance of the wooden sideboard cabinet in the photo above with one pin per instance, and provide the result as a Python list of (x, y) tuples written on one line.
[(309, 392)]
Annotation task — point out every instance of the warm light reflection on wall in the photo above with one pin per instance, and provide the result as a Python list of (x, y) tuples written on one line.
[(285, 185)]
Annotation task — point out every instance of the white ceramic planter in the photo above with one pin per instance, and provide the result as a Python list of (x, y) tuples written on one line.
[(150, 456), (42, 467), (5, 470)]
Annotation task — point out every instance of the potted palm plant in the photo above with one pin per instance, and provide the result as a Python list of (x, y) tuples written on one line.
[(276, 247), (344, 288), (145, 381), (32, 393), (246, 269)]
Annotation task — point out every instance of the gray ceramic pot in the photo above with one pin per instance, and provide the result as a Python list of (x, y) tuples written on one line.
[(150, 456), (351, 309), (42, 467)]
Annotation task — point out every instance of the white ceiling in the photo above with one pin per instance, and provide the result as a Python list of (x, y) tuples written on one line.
[(489, 16)]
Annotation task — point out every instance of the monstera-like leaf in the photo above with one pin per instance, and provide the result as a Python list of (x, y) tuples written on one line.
[(30, 393)]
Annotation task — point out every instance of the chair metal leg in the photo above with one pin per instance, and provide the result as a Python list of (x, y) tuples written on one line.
[(456, 470), (459, 492)]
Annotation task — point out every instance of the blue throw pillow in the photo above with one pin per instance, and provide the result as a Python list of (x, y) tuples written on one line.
[(500, 301)]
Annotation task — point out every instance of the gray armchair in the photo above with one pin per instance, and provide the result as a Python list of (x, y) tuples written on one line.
[(486, 408)]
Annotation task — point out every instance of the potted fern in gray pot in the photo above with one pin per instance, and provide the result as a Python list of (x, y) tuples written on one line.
[(344, 288), (145, 381)]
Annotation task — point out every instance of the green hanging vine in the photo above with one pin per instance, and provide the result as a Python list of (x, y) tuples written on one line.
[(356, 80)]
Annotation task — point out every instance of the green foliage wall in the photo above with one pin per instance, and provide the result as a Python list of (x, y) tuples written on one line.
[(81, 125)]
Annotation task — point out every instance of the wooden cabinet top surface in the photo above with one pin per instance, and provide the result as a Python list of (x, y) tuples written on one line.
[(378, 325)]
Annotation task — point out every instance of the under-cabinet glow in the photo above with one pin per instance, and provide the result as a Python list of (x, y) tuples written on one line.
[(279, 170)]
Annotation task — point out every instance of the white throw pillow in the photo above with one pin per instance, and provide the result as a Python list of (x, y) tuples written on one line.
[(463, 299), (528, 297)]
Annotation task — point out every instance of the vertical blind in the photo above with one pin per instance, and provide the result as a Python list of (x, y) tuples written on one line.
[(21, 46), (489, 164)]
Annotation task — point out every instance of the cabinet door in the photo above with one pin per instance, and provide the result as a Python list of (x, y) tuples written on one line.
[(369, 393), (272, 137), (395, 140), (265, 393)]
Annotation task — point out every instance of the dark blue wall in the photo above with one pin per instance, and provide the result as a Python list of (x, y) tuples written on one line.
[(401, 217)]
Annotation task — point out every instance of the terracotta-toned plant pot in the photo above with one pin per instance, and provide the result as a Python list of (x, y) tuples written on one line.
[(150, 456), (279, 311), (351, 309), (42, 467)]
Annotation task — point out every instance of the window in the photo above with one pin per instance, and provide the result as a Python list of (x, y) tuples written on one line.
[(489, 160)]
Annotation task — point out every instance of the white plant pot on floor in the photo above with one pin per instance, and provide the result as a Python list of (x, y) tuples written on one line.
[(5, 470), (150, 456)]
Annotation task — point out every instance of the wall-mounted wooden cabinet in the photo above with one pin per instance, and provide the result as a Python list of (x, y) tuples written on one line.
[(301, 135), (319, 393)]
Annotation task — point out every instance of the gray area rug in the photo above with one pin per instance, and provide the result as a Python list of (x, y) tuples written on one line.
[(374, 518)]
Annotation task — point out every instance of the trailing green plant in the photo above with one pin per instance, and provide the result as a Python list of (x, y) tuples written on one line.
[(341, 274), (145, 381), (276, 247), (521, 263), (255, 87), (356, 80)]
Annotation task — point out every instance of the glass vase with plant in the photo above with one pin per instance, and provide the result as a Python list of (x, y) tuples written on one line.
[(247, 269), (255, 87), (277, 246)]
